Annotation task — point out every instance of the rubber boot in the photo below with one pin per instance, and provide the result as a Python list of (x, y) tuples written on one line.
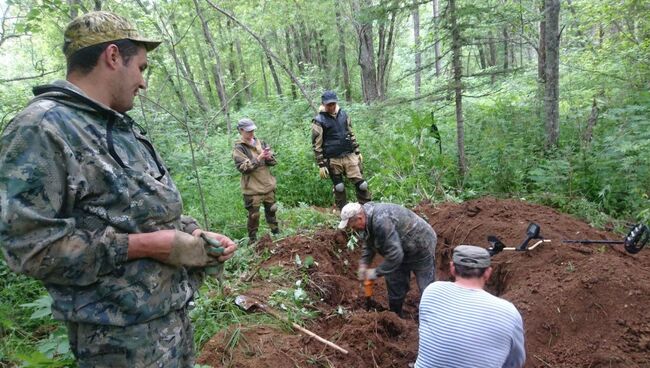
[(341, 199), (253, 225), (396, 306)]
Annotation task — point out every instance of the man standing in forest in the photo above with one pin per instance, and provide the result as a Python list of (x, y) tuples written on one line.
[(252, 158), (88, 207), (461, 315), (404, 239), (337, 151)]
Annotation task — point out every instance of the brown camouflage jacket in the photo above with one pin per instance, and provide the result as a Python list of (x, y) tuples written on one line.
[(256, 177)]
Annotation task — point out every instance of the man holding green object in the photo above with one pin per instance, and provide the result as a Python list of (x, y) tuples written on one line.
[(88, 207)]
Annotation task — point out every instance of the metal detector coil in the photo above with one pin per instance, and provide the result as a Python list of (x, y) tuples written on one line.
[(637, 238), (634, 241)]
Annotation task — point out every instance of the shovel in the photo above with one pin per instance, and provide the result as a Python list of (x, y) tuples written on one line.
[(250, 304)]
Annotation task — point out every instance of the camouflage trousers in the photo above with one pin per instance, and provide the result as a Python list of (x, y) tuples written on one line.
[(167, 342), (350, 167), (252, 204)]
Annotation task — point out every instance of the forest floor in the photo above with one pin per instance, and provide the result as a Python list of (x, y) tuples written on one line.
[(582, 305)]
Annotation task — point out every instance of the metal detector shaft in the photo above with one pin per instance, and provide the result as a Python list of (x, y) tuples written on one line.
[(594, 241)]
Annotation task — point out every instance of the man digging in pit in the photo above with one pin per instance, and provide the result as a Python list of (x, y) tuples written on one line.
[(404, 239)]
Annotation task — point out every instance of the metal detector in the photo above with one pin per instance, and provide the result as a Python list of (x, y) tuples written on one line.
[(497, 246), (634, 241)]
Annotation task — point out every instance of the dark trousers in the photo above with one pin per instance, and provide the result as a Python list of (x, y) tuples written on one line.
[(397, 282)]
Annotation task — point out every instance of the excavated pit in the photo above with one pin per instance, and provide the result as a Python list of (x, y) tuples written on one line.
[(582, 305)]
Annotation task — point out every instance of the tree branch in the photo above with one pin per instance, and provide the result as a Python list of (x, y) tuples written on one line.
[(268, 52), (30, 77)]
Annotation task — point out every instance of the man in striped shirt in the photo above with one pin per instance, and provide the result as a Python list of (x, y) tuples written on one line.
[(462, 325)]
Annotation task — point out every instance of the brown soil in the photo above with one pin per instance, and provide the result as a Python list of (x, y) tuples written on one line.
[(582, 305)]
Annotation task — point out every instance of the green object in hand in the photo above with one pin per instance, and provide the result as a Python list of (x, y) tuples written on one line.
[(214, 249)]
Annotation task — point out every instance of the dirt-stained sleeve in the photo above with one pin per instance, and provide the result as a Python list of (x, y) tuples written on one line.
[(189, 224), (243, 163), (367, 253), (317, 143), (37, 239), (387, 239)]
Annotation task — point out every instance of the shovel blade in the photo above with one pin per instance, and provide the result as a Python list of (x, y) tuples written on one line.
[(246, 303)]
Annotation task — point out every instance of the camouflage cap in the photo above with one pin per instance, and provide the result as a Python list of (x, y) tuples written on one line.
[(98, 27)]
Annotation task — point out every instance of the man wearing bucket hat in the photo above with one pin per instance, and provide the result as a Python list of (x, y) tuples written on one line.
[(337, 151), (252, 158), (89, 208), (404, 239), (460, 315)]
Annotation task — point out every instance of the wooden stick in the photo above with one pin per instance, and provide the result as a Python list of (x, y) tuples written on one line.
[(324, 341)]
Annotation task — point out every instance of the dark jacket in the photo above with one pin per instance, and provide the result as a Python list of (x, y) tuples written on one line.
[(397, 234), (332, 136)]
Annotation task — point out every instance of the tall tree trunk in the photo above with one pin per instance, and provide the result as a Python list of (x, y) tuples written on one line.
[(506, 53), (481, 55), (416, 42), (436, 45), (385, 53), (232, 66), (458, 89), (186, 71), (541, 49), (366, 57), (493, 55), (287, 46), (244, 73), (304, 43), (266, 83), (176, 89), (343, 58), (216, 66), (276, 80), (321, 48), (552, 71), (205, 73), (297, 47)]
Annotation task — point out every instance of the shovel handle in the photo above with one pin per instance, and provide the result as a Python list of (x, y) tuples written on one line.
[(324, 341), (367, 287)]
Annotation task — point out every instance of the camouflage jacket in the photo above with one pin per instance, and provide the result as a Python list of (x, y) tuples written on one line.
[(256, 177), (397, 234), (75, 179)]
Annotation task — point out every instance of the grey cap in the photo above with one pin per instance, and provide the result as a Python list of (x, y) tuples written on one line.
[(471, 256), (328, 97), (246, 124)]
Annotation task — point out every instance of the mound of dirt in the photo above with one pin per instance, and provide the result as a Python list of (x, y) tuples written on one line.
[(582, 305)]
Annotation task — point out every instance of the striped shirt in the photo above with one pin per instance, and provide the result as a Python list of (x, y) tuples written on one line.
[(462, 327)]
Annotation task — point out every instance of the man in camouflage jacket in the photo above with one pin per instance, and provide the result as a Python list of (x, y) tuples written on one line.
[(404, 239), (88, 207), (337, 151), (252, 158)]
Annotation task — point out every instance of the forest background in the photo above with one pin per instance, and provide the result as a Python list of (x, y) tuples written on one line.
[(543, 100)]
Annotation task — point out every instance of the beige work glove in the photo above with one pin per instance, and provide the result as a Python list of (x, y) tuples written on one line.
[(189, 251), (371, 274), (361, 272), (323, 172), (360, 158)]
